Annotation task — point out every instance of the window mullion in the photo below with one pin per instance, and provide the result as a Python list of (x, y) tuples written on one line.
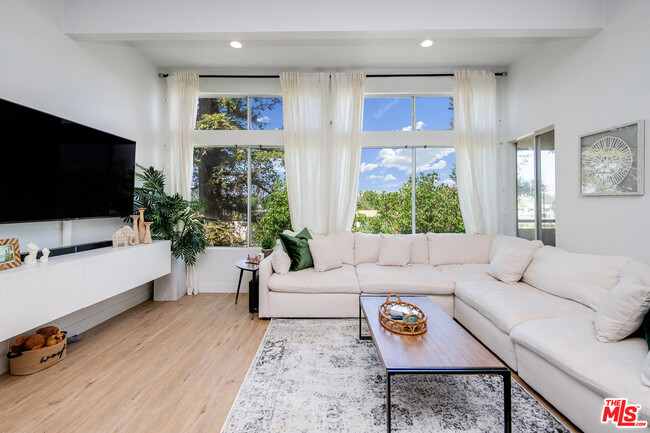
[(413, 190), (248, 212)]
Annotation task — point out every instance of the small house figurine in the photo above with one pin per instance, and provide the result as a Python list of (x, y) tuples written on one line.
[(123, 236)]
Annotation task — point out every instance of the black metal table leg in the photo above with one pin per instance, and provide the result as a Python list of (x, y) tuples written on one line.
[(241, 273), (388, 402), (362, 337), (507, 403)]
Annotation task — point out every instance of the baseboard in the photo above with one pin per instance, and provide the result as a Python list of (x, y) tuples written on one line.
[(82, 320)]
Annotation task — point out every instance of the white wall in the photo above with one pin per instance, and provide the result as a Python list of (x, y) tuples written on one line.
[(582, 86), (217, 270), (110, 87)]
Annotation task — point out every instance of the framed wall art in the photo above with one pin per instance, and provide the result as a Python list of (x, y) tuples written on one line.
[(9, 254), (612, 161)]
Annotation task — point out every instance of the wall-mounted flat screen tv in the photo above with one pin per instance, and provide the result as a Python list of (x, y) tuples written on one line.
[(55, 169)]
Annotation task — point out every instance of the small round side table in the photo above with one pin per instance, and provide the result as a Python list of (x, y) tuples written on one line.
[(243, 265)]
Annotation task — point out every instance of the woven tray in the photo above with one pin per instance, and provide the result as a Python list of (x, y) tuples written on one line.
[(402, 327)]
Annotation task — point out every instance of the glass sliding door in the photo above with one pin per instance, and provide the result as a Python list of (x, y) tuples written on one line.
[(535, 159), (526, 191)]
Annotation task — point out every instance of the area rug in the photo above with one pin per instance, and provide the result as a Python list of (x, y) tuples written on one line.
[(314, 375)]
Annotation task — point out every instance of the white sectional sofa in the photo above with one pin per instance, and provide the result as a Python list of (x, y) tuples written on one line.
[(542, 326)]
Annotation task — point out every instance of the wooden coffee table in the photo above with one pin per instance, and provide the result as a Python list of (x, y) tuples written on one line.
[(446, 348)]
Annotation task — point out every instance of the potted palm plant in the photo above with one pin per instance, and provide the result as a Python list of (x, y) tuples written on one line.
[(175, 219), (267, 244)]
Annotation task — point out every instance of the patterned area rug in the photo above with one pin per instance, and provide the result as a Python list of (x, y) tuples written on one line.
[(316, 376)]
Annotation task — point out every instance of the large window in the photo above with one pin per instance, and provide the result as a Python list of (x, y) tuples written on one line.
[(386, 201), (536, 187), (242, 188)]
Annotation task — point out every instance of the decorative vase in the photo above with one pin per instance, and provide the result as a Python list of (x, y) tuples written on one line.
[(147, 234), (267, 252), (141, 229), (136, 238)]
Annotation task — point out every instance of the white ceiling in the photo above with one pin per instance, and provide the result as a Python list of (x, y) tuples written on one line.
[(370, 35), (274, 55)]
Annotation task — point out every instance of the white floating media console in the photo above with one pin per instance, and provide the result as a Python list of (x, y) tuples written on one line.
[(33, 295)]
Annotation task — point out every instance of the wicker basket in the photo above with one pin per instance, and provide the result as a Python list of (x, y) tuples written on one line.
[(31, 361), (402, 327)]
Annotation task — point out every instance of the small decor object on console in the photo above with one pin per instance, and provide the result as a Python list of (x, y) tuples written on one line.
[(147, 233), (46, 255), (135, 218), (141, 231), (124, 236), (9, 254), (412, 320), (32, 249)]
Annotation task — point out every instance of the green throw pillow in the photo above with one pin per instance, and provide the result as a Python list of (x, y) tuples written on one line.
[(304, 234), (644, 330), (298, 251)]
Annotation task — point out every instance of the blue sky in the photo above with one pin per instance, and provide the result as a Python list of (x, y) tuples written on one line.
[(388, 169)]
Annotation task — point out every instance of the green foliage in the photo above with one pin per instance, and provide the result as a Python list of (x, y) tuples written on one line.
[(222, 234), (267, 243), (277, 217), (436, 206), (173, 218)]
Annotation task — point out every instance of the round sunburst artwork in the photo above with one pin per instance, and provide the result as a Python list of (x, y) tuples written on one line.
[(606, 162)]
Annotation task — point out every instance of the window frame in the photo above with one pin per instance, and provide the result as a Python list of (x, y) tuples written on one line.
[(413, 139), (242, 138), (535, 136)]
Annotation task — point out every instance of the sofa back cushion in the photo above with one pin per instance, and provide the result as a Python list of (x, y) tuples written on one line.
[(458, 248), (584, 278), (344, 244), (503, 241), (366, 248)]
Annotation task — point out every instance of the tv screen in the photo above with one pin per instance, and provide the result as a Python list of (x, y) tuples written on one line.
[(55, 169)]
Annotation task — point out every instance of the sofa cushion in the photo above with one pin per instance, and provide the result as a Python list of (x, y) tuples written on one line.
[(413, 279), (298, 250), (570, 344), (503, 241), (510, 263), (280, 261), (508, 305), (340, 280), (621, 312), (344, 244), (419, 249), (645, 373), (584, 278), (466, 272), (394, 250), (324, 254), (458, 248), (366, 248)]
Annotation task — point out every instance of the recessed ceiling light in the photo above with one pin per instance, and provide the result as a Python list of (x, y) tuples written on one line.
[(426, 43), (237, 44)]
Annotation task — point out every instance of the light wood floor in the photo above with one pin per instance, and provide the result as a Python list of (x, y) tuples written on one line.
[(158, 367)]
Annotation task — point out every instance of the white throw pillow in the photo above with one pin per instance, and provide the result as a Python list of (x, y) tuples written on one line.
[(419, 249), (324, 254), (645, 373), (394, 250), (510, 263), (366, 248), (621, 312), (281, 261)]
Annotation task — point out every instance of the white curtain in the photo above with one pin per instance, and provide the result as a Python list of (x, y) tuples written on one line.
[(322, 148), (345, 149), (182, 97), (475, 140)]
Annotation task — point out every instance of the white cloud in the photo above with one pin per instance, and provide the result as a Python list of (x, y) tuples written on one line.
[(418, 126), (278, 166), (368, 166), (427, 159), (384, 108), (263, 119), (449, 182), (386, 178)]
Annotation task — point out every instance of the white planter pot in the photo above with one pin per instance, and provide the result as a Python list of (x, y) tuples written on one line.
[(172, 286)]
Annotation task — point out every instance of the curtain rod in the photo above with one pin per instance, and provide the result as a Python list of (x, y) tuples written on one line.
[(498, 74)]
